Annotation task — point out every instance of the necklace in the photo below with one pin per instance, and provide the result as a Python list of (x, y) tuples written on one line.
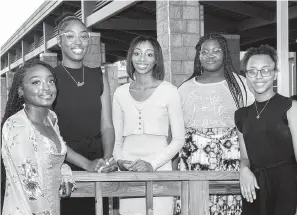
[(258, 114), (79, 84), (34, 120)]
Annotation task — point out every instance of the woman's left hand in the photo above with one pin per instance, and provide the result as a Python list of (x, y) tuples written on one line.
[(141, 166), (65, 190), (110, 166)]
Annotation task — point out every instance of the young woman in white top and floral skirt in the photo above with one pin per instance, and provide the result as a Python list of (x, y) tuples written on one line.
[(209, 99)]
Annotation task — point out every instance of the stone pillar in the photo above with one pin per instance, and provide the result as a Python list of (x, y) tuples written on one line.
[(93, 56), (180, 24), (50, 58), (234, 47)]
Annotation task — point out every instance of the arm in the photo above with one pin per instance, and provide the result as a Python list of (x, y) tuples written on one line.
[(292, 116), (176, 121), (248, 181), (74, 157), (107, 129), (118, 122), (82, 162), (23, 171)]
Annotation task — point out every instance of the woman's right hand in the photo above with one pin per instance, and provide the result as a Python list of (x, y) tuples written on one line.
[(94, 165), (248, 183), (124, 165)]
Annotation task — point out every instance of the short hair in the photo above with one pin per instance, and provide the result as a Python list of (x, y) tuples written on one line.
[(261, 50), (61, 22), (229, 69), (15, 102), (158, 69)]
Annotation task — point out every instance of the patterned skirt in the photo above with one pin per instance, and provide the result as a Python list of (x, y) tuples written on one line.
[(212, 149)]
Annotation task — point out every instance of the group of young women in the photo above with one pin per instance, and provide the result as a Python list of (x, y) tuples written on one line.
[(216, 121)]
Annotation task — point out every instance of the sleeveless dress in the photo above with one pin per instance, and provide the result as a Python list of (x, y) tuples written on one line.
[(211, 142), (141, 130), (269, 146), (33, 168), (79, 113)]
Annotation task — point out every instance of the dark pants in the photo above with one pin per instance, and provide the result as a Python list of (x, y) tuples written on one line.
[(91, 148), (82, 206)]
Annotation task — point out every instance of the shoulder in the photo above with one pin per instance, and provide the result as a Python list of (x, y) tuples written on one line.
[(96, 71), (186, 86), (241, 112), (168, 89), (168, 85), (122, 90), (16, 122)]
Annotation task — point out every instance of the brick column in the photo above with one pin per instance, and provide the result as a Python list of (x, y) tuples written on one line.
[(50, 58), (93, 56), (180, 24), (234, 47)]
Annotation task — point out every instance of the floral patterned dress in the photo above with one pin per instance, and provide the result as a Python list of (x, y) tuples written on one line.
[(211, 142), (33, 168)]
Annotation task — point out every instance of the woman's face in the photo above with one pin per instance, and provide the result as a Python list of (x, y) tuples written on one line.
[(211, 56), (143, 58), (262, 80), (74, 41), (38, 87)]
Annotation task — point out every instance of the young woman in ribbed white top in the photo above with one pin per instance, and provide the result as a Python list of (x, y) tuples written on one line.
[(142, 113)]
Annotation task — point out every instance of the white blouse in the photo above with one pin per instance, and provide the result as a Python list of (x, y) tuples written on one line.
[(152, 117)]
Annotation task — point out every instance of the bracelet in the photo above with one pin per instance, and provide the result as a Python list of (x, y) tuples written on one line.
[(107, 161)]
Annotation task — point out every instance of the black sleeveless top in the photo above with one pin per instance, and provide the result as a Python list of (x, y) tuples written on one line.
[(268, 139), (269, 146), (79, 108)]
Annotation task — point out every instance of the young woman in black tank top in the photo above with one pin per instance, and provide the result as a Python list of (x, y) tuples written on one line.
[(84, 110)]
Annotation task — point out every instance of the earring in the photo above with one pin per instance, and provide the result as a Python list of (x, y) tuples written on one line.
[(20, 96)]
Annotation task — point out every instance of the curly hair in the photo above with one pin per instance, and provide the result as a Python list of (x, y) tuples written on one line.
[(229, 70), (261, 50), (15, 102), (61, 21), (158, 70)]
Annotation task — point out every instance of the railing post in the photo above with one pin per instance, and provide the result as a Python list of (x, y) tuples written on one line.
[(98, 198), (199, 197), (184, 198), (149, 198)]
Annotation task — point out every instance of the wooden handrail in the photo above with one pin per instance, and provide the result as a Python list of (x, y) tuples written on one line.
[(157, 176), (193, 187)]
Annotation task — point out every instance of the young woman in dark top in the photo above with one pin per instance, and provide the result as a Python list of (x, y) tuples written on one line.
[(84, 109), (267, 132)]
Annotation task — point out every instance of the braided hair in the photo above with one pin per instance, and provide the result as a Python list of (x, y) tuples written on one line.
[(15, 102), (229, 70), (61, 22)]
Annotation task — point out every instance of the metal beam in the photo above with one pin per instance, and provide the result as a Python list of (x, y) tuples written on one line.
[(128, 24), (253, 23), (242, 8), (109, 10)]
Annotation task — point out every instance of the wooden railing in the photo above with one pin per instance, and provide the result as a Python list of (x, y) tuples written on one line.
[(193, 187)]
